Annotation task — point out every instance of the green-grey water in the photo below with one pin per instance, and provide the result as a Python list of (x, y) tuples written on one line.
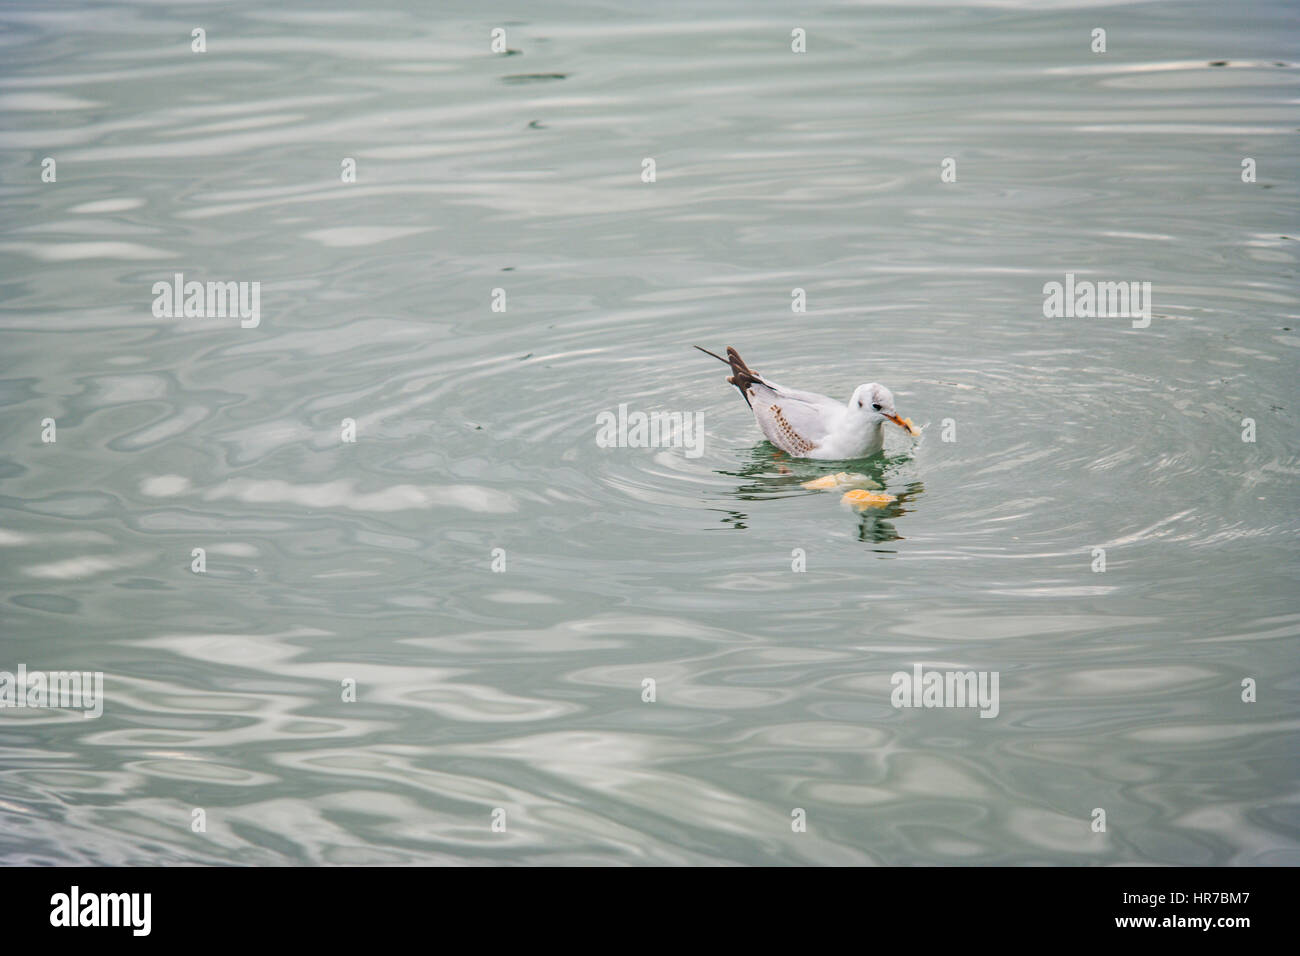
[(497, 584)]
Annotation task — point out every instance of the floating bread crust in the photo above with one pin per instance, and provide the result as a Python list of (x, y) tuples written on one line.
[(866, 499), (839, 480)]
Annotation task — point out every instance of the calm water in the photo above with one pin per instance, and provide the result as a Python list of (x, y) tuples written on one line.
[(373, 561)]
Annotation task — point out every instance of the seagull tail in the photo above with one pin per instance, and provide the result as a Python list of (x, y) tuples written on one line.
[(742, 376), (714, 354)]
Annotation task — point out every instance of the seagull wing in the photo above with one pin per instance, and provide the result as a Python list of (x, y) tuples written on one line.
[(793, 420)]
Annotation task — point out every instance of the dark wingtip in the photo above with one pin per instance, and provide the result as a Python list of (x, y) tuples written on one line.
[(741, 376), (714, 354)]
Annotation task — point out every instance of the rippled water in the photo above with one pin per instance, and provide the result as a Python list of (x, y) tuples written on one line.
[(329, 561)]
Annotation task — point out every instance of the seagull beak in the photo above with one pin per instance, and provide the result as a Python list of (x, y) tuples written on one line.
[(901, 424)]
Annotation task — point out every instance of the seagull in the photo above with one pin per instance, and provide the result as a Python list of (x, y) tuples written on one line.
[(808, 425)]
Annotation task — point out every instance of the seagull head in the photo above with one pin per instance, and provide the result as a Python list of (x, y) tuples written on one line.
[(874, 404)]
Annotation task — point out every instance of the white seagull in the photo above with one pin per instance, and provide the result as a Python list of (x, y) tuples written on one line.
[(808, 425)]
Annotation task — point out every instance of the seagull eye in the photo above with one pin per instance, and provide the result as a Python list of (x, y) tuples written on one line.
[(859, 403), (876, 407)]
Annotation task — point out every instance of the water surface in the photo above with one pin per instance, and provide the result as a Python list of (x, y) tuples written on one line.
[(331, 561)]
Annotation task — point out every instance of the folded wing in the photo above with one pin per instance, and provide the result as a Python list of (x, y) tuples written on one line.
[(795, 421)]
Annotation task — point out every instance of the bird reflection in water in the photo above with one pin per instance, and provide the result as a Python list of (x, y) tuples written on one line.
[(770, 473)]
